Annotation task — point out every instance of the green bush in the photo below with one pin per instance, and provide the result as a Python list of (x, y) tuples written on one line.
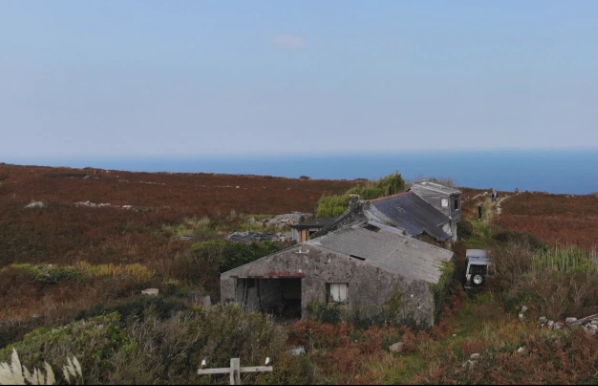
[(332, 205), (150, 347), (92, 341), (48, 273), (335, 205), (206, 260), (169, 352), (326, 313), (465, 229), (555, 283), (139, 308)]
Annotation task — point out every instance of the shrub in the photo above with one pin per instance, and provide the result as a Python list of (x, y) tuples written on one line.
[(94, 341), (326, 313), (335, 205), (332, 205), (207, 259), (170, 351), (465, 229), (139, 308), (555, 283), (48, 273)]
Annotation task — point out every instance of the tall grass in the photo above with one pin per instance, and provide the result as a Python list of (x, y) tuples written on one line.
[(567, 260), (53, 274)]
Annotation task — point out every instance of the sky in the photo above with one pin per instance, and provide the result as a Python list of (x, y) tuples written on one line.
[(196, 78)]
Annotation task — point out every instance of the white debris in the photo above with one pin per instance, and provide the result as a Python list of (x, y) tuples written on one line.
[(475, 356), (570, 320), (151, 292), (396, 347), (298, 351), (521, 350), (35, 204)]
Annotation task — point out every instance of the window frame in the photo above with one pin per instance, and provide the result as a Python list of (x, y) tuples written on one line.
[(331, 298)]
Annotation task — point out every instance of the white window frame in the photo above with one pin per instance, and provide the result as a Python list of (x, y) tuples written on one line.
[(444, 203)]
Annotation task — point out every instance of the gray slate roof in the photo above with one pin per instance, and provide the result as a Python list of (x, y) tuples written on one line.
[(315, 223), (388, 249), (436, 187), (411, 213)]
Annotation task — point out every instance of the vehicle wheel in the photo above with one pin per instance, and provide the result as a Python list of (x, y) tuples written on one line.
[(478, 280)]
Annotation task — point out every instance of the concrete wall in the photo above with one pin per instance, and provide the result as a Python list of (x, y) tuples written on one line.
[(369, 288)]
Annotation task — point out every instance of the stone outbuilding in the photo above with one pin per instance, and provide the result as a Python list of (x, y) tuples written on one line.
[(368, 269), (406, 211)]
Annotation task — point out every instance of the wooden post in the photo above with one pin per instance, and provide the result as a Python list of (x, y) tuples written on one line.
[(235, 370)]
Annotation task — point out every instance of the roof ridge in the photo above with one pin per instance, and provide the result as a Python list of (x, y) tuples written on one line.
[(391, 196)]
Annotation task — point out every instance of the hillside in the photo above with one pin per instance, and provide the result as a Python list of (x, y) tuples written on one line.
[(78, 245)]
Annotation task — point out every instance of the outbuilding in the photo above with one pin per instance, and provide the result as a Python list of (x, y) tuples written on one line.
[(369, 270)]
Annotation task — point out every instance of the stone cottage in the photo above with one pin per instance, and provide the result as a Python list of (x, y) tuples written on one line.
[(362, 267), (443, 198), (407, 211)]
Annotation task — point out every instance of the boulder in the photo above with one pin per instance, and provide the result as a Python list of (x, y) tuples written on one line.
[(396, 347), (250, 236), (289, 219)]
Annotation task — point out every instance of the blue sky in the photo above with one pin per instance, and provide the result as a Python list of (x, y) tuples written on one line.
[(140, 78)]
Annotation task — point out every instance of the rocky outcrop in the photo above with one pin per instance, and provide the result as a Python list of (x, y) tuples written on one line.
[(249, 237), (285, 221)]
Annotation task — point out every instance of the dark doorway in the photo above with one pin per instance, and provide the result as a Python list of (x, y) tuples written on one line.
[(278, 297)]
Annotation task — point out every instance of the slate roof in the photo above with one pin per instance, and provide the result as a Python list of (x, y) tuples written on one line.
[(411, 213), (315, 223), (388, 249), (439, 188)]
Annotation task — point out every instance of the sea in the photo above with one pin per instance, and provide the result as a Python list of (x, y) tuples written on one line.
[(552, 171)]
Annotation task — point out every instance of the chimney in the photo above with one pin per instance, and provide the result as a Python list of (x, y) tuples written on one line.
[(354, 201)]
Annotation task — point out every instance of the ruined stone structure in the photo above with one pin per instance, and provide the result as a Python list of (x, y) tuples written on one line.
[(361, 267)]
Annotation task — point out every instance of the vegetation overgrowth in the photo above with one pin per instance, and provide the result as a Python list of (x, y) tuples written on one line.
[(71, 276), (334, 205)]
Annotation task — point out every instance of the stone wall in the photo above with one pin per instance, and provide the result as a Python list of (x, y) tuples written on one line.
[(369, 288)]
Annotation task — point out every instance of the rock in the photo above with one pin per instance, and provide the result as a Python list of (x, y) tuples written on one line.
[(468, 364), (524, 309), (288, 220), (558, 325), (570, 320), (543, 319), (151, 292), (35, 204), (594, 322), (475, 356), (521, 350), (550, 324), (521, 317), (250, 236), (396, 347), (298, 351)]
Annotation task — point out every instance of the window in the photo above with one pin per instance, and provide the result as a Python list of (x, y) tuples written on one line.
[(444, 203), (337, 292), (456, 204)]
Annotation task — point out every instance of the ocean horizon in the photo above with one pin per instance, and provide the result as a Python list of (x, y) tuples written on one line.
[(560, 171)]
